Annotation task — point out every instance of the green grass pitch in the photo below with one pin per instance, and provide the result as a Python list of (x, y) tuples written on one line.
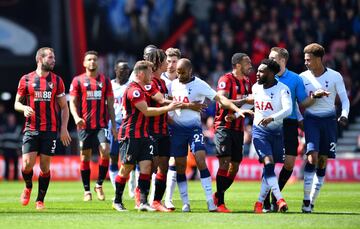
[(338, 206)]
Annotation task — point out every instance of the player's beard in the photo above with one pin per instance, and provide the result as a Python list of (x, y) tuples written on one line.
[(247, 72), (47, 67)]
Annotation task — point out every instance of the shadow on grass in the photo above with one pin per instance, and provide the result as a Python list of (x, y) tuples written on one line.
[(107, 211)]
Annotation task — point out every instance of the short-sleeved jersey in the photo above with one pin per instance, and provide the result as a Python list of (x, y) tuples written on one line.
[(135, 123), (158, 124), (296, 87), (330, 81), (271, 102), (91, 94), (118, 91), (40, 94), (236, 89), (194, 91)]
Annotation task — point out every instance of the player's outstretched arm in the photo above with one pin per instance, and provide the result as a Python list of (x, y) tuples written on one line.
[(156, 111), (227, 104), (197, 106), (159, 98)]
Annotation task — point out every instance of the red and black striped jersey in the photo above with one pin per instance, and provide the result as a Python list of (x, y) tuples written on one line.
[(135, 123), (40, 94), (236, 89), (158, 124), (91, 94)]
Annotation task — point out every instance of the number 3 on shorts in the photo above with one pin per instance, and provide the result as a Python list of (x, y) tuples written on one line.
[(53, 147)]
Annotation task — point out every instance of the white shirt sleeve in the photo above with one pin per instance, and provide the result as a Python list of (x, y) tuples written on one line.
[(341, 91), (286, 105), (207, 91)]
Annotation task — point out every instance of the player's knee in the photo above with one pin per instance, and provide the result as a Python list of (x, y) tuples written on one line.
[(289, 165), (27, 167), (125, 170), (104, 156), (85, 155), (312, 158), (180, 165), (201, 164), (322, 162), (163, 167), (224, 163), (114, 159), (233, 168), (104, 149), (44, 168)]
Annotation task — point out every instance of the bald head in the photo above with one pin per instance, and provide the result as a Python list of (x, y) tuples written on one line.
[(184, 63), (184, 70)]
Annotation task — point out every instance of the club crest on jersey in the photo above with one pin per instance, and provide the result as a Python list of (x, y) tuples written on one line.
[(51, 85), (136, 94), (147, 87), (223, 148), (222, 85)]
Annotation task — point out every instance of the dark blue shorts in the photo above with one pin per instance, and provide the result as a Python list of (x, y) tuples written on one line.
[(290, 133), (180, 142), (269, 144), (321, 134)]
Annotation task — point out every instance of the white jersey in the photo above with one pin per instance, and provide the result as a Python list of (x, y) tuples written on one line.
[(168, 82), (118, 91), (271, 102), (332, 82), (194, 91)]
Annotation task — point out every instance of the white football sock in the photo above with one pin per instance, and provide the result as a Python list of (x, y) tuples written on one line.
[(206, 184), (315, 189), (308, 181), (183, 189), (264, 190), (274, 185), (170, 185), (112, 175)]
